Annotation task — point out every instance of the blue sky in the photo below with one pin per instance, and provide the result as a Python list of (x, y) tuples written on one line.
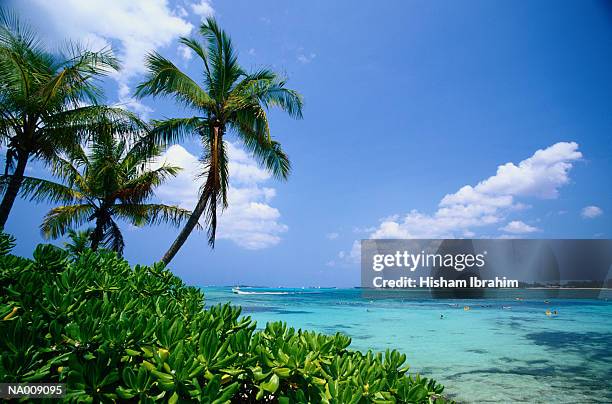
[(422, 119)]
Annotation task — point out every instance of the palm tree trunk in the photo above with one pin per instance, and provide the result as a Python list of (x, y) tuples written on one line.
[(202, 202), (96, 235), (186, 230), (12, 190)]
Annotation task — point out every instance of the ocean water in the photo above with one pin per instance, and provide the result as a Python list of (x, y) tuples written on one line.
[(501, 350)]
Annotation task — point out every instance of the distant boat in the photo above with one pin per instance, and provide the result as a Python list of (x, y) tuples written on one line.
[(238, 291)]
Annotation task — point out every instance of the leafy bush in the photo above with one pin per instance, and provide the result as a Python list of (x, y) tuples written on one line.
[(116, 333)]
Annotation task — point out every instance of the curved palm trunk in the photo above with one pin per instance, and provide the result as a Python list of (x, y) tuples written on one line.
[(186, 230), (12, 190), (207, 198)]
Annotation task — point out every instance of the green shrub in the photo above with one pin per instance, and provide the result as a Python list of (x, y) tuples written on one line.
[(116, 333)]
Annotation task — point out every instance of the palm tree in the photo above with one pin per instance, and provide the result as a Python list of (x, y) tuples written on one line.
[(113, 181), (80, 240), (49, 103), (228, 99)]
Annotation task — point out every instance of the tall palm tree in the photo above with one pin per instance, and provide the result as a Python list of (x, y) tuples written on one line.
[(228, 100), (112, 181), (48, 102)]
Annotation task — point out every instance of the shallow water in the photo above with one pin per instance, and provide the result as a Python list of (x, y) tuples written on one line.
[(486, 354)]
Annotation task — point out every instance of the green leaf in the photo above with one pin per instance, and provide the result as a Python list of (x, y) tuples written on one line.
[(271, 385)]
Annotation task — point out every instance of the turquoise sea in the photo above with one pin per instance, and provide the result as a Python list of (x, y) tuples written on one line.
[(500, 350)]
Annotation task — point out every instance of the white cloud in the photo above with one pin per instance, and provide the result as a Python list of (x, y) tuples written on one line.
[(332, 235), (133, 28), (183, 189), (127, 101), (590, 212), (184, 52), (306, 58), (488, 202), (203, 8), (518, 227), (361, 230), (242, 167), (540, 175), (181, 12), (139, 26), (352, 256), (249, 221)]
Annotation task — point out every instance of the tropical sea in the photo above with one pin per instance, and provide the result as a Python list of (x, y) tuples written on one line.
[(500, 350)]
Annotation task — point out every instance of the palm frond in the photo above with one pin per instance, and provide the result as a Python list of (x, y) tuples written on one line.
[(152, 214), (164, 78), (103, 173), (270, 93), (276, 95), (252, 129), (85, 123), (69, 172), (268, 153), (9, 120), (12, 30), (222, 60), (9, 164), (22, 58), (223, 173), (142, 187), (213, 192), (79, 240), (74, 81), (201, 52), (175, 130), (58, 220), (113, 238), (15, 76), (40, 190), (136, 156), (272, 156)]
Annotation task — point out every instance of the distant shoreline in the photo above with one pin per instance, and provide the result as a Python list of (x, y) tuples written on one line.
[(565, 288), (416, 288)]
